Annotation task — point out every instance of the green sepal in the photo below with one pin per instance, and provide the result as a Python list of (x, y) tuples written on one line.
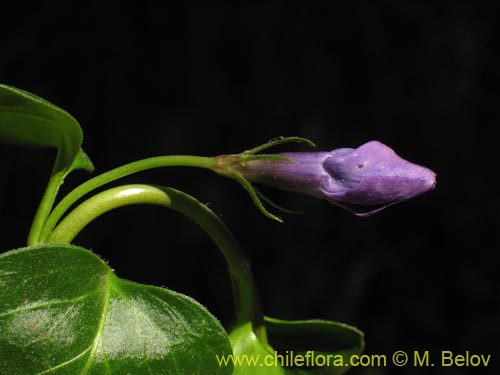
[(279, 141), (256, 198), (250, 157), (225, 166), (63, 311), (275, 205)]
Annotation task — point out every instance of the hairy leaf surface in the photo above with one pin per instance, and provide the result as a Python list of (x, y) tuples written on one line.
[(63, 311)]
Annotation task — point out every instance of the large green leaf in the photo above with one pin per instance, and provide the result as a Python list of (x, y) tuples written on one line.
[(27, 119), (63, 311)]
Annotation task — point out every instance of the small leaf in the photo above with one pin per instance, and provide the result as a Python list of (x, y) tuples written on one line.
[(331, 343), (63, 311), (26, 119)]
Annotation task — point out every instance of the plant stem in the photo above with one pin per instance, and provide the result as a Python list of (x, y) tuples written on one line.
[(247, 302), (114, 174), (44, 208)]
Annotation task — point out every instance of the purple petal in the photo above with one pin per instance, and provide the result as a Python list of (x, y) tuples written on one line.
[(373, 176), (364, 180)]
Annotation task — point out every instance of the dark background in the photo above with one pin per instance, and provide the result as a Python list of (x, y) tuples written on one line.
[(145, 80)]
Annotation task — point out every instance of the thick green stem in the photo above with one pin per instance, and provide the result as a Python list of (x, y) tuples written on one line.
[(115, 174), (44, 208), (246, 298)]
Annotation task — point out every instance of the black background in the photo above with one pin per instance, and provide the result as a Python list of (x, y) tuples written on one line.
[(146, 80)]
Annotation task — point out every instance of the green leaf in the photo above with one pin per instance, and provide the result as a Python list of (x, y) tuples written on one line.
[(26, 119), (303, 347), (63, 311), (333, 344), (82, 161)]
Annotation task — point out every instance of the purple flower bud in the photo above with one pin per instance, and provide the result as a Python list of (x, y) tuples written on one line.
[(363, 180)]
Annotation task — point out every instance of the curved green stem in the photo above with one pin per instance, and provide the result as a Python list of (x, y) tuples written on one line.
[(246, 298), (44, 208), (114, 174)]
